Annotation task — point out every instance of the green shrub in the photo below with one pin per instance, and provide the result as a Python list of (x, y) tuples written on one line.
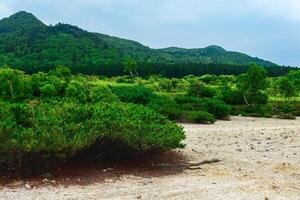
[(125, 79), (133, 94), (257, 98), (46, 85), (198, 89), (76, 90), (12, 83), (102, 93), (36, 133), (213, 106), (166, 106), (286, 116), (283, 107), (42, 130), (216, 107), (200, 117), (296, 113), (231, 96), (138, 128)]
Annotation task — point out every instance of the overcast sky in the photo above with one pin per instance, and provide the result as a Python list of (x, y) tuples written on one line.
[(269, 29)]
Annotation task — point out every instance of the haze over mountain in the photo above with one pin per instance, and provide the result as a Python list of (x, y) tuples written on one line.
[(28, 44)]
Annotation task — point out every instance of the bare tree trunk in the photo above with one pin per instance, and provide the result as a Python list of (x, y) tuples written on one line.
[(246, 101), (11, 90), (131, 73)]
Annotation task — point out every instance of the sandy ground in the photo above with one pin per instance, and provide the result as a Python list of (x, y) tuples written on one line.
[(260, 160)]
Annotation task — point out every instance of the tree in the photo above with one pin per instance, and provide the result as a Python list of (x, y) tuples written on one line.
[(130, 66), (252, 85), (294, 77), (285, 87), (12, 84)]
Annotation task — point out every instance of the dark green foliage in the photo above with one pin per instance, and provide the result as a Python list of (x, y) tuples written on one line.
[(286, 116), (200, 117), (252, 85), (76, 90), (213, 106), (286, 87), (166, 106), (133, 94), (28, 44), (102, 93), (230, 96), (55, 131), (198, 89), (141, 129), (12, 84), (60, 129), (267, 110)]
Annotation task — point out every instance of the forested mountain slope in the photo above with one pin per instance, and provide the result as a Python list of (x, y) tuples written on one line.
[(28, 44)]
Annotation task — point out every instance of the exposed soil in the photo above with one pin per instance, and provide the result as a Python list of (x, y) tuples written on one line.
[(260, 159)]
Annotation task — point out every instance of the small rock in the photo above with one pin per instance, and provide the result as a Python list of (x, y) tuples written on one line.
[(45, 180), (27, 186), (239, 150), (139, 197)]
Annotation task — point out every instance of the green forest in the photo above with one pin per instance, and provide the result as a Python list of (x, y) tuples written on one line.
[(29, 45), (50, 117), (65, 91)]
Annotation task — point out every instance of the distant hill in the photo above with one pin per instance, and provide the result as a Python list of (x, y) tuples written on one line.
[(28, 44)]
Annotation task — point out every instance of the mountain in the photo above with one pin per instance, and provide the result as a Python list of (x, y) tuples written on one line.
[(28, 44)]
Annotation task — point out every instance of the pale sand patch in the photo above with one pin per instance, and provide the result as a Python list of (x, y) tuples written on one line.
[(260, 160)]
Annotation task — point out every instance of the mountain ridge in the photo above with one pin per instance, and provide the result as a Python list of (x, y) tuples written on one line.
[(25, 40)]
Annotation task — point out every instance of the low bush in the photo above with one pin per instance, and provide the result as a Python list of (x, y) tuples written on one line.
[(198, 89), (263, 110), (257, 98), (200, 117), (139, 128), (102, 93), (133, 93), (166, 106), (42, 131), (76, 90), (286, 116), (230, 96), (35, 133), (213, 106)]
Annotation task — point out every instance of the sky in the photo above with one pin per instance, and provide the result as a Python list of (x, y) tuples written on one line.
[(268, 29)]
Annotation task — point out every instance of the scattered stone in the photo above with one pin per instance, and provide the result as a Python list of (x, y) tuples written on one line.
[(27, 186), (45, 180), (139, 197)]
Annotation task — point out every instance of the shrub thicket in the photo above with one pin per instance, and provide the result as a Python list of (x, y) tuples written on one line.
[(200, 117), (166, 106), (213, 106), (36, 132), (133, 94)]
